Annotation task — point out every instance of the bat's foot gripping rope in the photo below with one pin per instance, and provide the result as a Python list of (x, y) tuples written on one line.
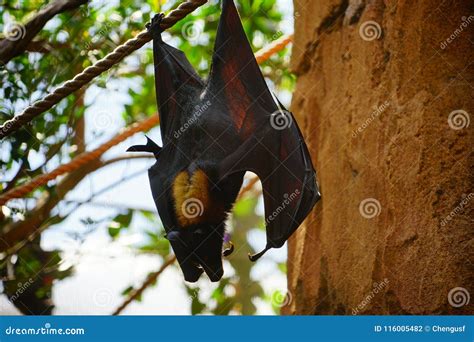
[(94, 70)]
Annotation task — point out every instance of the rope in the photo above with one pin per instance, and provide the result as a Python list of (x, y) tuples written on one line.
[(265, 53), (78, 161), (95, 70), (144, 125)]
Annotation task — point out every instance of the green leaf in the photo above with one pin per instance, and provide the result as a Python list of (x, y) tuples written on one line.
[(127, 290), (119, 222), (244, 207)]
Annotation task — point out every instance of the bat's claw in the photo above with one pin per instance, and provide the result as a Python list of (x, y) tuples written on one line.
[(154, 25), (255, 257), (228, 251)]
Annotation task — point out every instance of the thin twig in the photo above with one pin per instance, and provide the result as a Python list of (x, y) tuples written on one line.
[(151, 279)]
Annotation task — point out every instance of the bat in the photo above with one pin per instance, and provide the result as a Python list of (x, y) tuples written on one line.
[(213, 131)]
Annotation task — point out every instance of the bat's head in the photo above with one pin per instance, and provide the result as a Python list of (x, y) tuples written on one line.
[(198, 249), (192, 213), (199, 224), (193, 217)]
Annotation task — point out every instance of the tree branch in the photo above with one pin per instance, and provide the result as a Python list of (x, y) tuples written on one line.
[(18, 231), (127, 157), (151, 279), (12, 48)]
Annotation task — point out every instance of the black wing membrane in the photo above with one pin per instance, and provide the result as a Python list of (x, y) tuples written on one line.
[(281, 160), (175, 81), (272, 144), (235, 76)]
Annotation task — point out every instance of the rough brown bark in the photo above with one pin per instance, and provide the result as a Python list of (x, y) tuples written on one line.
[(405, 155)]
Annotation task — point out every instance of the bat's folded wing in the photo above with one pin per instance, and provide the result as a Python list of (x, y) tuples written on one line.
[(176, 81), (272, 145), (281, 160)]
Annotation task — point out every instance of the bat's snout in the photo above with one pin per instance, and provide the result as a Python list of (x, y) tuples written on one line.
[(198, 252)]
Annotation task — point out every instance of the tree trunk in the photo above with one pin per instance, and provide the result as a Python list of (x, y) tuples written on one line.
[(384, 96)]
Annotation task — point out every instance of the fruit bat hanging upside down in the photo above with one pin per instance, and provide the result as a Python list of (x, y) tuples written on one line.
[(213, 132)]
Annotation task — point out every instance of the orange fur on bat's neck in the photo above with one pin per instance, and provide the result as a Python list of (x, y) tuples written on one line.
[(193, 202)]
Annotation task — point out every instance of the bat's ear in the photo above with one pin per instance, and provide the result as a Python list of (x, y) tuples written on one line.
[(150, 146)]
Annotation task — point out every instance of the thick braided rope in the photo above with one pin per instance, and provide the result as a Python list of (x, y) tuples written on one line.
[(78, 161), (265, 53), (95, 70), (144, 125)]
